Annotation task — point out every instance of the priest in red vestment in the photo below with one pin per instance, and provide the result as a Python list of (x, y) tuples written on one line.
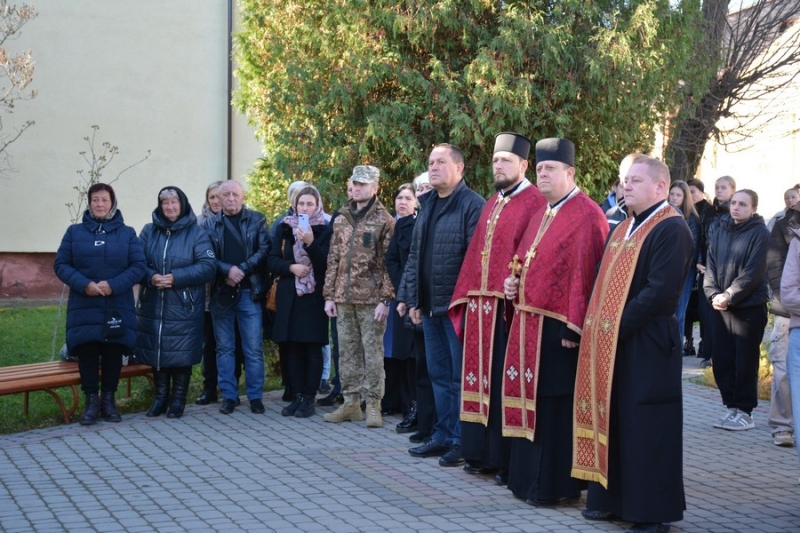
[(628, 411), (478, 305), (552, 277)]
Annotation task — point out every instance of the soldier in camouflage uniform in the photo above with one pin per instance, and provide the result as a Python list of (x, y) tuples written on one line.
[(357, 292)]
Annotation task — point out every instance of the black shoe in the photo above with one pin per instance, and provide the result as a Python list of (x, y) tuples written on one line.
[(419, 437), (325, 387), (257, 407), (409, 423), (429, 449), (108, 409), (453, 457), (590, 514), (331, 400), (91, 411), (161, 400), (288, 395), (180, 388), (700, 350), (556, 502), (291, 409), (649, 528), (306, 408), (476, 469), (228, 406), (688, 348), (206, 398), (501, 478)]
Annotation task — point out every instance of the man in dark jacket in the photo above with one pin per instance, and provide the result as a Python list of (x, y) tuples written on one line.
[(441, 236), (241, 244)]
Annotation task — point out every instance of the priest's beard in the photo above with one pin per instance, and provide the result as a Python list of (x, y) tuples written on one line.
[(503, 182)]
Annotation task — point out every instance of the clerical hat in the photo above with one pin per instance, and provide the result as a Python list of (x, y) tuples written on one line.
[(555, 149), (512, 142)]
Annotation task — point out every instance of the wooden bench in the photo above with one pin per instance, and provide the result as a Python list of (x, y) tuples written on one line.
[(51, 375)]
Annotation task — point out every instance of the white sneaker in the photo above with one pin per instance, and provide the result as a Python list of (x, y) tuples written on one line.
[(740, 422), (784, 439), (730, 414)]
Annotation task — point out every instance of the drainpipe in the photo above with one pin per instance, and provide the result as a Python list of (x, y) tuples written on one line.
[(230, 90)]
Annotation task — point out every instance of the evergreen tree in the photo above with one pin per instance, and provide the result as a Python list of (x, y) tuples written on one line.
[(330, 84)]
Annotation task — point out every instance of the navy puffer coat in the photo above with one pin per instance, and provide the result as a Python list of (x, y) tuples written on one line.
[(171, 320), (98, 251)]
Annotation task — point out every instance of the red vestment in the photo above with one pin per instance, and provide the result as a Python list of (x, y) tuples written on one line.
[(560, 252), (480, 286)]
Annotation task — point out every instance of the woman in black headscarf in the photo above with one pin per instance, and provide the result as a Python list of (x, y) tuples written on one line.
[(180, 261)]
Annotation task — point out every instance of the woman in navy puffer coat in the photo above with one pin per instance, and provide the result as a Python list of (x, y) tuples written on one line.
[(100, 260), (180, 261)]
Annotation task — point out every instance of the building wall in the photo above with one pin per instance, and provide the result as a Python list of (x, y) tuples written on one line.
[(153, 76)]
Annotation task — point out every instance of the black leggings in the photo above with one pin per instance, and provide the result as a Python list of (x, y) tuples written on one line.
[(91, 356)]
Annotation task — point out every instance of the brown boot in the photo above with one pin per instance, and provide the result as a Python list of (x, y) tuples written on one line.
[(374, 419), (351, 410)]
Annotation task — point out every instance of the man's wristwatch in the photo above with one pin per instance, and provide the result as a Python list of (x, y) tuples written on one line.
[(385, 302)]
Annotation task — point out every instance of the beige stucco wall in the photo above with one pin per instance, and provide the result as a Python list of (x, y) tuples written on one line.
[(153, 76)]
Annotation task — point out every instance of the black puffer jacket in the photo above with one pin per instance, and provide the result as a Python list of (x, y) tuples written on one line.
[(170, 321), (736, 264), (253, 226), (454, 227), (779, 240)]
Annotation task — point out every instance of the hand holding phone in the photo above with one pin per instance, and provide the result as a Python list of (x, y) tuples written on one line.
[(303, 222)]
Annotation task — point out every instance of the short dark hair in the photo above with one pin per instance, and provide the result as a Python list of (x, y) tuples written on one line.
[(97, 187), (458, 156), (696, 183)]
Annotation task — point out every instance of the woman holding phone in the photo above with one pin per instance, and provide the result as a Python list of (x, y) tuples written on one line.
[(298, 256)]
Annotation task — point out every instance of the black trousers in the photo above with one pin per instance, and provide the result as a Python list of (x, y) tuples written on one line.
[(400, 387), (304, 363), (94, 355), (737, 348), (210, 355)]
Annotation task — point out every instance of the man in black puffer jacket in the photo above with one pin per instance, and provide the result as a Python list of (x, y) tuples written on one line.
[(441, 237)]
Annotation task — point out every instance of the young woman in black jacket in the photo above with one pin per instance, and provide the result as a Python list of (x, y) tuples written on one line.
[(298, 255), (735, 284)]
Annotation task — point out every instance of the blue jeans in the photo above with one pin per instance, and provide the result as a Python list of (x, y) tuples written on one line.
[(247, 314), (686, 293), (443, 353), (793, 370)]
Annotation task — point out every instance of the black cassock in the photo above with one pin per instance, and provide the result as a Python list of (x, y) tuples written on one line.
[(645, 477)]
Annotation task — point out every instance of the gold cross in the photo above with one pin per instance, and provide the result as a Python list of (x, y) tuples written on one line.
[(515, 266)]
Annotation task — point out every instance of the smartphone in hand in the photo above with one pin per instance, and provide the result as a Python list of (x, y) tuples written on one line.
[(303, 222)]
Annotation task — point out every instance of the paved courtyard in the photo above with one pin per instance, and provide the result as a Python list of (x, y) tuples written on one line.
[(246, 472)]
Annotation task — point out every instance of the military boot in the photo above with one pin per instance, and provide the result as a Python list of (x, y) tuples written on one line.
[(350, 410), (374, 418)]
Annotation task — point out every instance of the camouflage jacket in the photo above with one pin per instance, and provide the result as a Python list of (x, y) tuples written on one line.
[(357, 272)]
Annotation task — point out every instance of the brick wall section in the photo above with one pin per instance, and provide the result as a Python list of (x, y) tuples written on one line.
[(28, 275)]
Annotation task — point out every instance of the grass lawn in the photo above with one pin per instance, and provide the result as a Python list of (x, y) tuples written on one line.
[(27, 336)]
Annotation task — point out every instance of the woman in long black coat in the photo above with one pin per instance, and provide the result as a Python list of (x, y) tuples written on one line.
[(299, 256), (399, 341), (180, 261)]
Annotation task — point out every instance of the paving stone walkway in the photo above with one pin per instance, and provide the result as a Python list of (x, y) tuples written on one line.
[(246, 472)]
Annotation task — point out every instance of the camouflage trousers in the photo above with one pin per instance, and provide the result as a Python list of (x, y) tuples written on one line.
[(360, 351)]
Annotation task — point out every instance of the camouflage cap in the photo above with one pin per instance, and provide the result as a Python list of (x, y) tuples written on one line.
[(365, 174)]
